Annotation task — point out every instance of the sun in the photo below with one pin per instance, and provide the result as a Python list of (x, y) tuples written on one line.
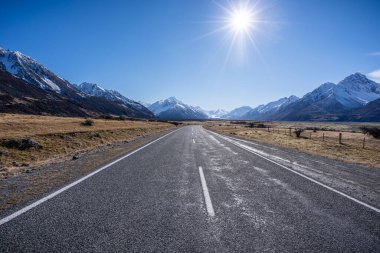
[(241, 20), (243, 23)]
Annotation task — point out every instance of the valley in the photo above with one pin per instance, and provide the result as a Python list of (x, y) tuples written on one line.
[(30, 88), (190, 126)]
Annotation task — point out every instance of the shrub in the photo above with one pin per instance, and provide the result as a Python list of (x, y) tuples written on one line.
[(122, 118), (298, 132), (373, 131), (95, 135), (238, 122), (22, 144), (107, 117), (88, 122), (315, 129), (256, 125), (261, 125)]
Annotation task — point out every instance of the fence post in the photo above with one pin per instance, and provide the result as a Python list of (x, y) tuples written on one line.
[(290, 131), (340, 138)]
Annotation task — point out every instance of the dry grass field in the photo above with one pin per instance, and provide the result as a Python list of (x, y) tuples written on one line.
[(318, 138), (62, 138)]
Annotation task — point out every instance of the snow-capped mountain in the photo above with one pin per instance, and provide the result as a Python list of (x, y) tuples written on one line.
[(327, 102), (174, 109), (217, 114), (93, 89), (40, 91), (237, 113), (332, 101), (265, 111), (354, 91), (27, 69)]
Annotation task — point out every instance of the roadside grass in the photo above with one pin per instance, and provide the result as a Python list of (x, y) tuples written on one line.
[(62, 138), (320, 142)]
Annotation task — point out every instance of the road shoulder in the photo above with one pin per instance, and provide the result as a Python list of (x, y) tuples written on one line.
[(358, 181)]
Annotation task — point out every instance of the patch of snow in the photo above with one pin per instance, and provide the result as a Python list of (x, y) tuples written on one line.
[(9, 64), (51, 84)]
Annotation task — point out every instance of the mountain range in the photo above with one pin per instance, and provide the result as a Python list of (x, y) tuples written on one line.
[(355, 98), (26, 86), (328, 102)]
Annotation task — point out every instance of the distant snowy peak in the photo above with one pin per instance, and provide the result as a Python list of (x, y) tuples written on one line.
[(275, 105), (172, 108), (24, 67), (217, 114), (166, 104), (238, 112), (93, 89)]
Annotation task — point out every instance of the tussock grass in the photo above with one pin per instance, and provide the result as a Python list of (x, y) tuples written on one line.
[(61, 138)]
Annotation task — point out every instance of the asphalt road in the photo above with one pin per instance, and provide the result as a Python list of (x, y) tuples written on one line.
[(197, 191)]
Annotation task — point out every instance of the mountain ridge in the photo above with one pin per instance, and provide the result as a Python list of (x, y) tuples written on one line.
[(24, 72)]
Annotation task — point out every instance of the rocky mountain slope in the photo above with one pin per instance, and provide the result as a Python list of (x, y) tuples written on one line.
[(368, 113), (95, 90), (29, 87)]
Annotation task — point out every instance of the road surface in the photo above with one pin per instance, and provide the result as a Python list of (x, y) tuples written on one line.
[(197, 191)]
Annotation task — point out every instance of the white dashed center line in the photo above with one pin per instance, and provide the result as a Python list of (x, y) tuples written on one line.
[(209, 207)]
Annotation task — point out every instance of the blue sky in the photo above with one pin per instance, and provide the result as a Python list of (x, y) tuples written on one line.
[(150, 50)]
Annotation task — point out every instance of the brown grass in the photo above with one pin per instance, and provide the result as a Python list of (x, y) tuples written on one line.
[(350, 150), (16, 125), (62, 137)]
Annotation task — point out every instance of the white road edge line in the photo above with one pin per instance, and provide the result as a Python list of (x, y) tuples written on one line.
[(300, 174), (52, 195), (206, 194)]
